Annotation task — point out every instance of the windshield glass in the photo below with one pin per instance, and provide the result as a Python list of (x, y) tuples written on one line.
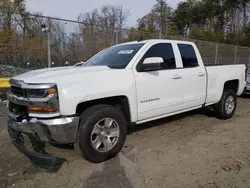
[(116, 57)]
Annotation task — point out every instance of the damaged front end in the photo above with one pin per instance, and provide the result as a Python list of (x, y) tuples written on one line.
[(29, 116), (62, 131), (38, 157)]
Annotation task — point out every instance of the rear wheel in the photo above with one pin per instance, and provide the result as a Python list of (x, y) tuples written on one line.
[(102, 133), (227, 105)]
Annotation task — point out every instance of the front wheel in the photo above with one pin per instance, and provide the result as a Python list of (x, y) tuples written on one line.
[(102, 133), (227, 105)]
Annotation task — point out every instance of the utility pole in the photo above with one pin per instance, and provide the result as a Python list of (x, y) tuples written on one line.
[(49, 51), (46, 29)]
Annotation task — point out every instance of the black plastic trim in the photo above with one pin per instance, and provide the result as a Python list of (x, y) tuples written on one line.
[(39, 159)]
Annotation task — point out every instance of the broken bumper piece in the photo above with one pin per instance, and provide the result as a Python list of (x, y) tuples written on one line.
[(38, 157), (39, 131)]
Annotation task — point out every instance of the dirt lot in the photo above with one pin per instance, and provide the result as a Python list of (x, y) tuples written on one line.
[(189, 150)]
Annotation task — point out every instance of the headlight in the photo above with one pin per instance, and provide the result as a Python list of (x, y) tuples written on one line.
[(36, 93), (50, 99), (40, 93)]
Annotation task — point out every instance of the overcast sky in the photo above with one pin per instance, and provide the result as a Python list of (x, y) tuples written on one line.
[(70, 9)]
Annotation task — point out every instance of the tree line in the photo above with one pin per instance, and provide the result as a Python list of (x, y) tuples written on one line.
[(24, 44), (223, 21)]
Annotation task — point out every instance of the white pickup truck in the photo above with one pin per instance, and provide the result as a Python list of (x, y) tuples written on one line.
[(92, 106)]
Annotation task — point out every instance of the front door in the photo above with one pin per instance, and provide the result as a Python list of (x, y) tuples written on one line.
[(158, 91)]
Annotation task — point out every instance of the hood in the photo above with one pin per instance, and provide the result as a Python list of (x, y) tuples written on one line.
[(61, 74)]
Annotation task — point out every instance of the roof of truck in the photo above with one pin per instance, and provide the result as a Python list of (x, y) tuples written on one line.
[(157, 40)]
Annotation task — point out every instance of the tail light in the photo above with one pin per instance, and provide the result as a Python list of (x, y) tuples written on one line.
[(246, 74)]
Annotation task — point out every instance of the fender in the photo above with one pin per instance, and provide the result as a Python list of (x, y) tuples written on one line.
[(121, 83)]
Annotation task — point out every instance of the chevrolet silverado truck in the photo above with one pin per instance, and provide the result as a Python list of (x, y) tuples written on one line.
[(92, 106)]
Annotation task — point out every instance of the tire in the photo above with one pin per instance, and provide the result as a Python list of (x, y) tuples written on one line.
[(88, 120), (221, 109)]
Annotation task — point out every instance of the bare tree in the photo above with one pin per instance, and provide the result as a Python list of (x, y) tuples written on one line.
[(99, 28)]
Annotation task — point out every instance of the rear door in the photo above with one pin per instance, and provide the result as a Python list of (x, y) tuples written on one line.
[(193, 77)]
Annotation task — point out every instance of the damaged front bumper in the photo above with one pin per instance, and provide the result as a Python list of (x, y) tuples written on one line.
[(56, 130)]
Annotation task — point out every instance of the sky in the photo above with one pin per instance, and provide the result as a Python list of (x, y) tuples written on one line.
[(70, 9)]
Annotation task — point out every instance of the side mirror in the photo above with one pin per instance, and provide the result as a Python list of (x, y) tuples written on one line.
[(151, 63)]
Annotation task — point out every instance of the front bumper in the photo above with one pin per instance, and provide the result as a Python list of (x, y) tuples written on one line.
[(57, 130), (38, 157)]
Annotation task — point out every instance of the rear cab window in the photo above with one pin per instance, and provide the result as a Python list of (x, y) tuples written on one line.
[(188, 55)]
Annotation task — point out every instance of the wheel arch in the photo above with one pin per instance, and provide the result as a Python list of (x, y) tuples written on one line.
[(232, 84), (121, 102)]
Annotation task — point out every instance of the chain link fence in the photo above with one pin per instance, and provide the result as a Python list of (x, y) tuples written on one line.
[(29, 42)]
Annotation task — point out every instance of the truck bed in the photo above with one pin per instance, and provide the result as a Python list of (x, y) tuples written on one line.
[(217, 75)]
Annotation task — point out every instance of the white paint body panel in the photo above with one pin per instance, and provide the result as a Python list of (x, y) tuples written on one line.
[(196, 87), (218, 75)]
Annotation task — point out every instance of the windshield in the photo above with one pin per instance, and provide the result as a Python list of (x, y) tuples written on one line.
[(116, 57)]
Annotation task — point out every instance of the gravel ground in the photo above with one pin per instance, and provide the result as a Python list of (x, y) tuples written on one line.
[(188, 150)]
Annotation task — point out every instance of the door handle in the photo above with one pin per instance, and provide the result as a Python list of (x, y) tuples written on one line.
[(201, 74), (176, 77)]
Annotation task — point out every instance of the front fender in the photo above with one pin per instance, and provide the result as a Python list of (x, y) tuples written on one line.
[(73, 95)]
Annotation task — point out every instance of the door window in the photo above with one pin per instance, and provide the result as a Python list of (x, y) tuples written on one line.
[(163, 50), (188, 55)]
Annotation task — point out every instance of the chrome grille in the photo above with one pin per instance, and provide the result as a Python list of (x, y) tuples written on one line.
[(18, 109), (18, 91)]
